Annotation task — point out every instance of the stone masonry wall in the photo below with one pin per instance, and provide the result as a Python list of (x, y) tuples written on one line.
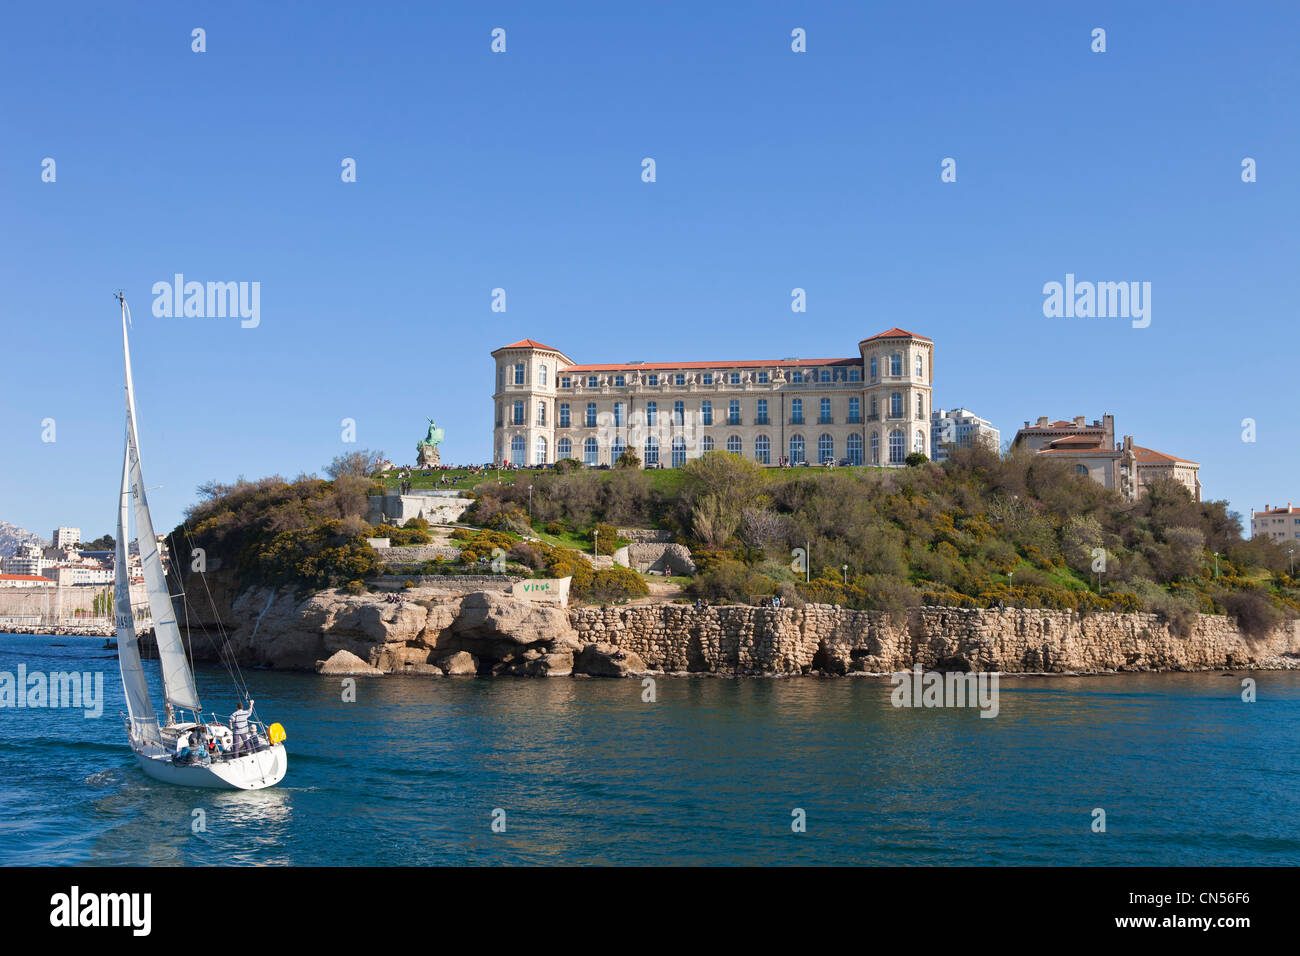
[(821, 637)]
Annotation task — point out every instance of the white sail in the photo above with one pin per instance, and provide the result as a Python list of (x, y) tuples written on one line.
[(144, 724), (178, 679)]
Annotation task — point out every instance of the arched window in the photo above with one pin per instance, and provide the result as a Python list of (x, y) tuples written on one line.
[(897, 447), (875, 449), (540, 451), (541, 375), (679, 452), (652, 450), (733, 444), (541, 413), (918, 442), (855, 449), (590, 452), (763, 450), (796, 449), (707, 443), (1081, 469), (920, 367), (517, 448), (563, 448), (616, 449), (825, 448)]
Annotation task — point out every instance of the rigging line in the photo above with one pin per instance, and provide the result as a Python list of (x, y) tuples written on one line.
[(225, 652)]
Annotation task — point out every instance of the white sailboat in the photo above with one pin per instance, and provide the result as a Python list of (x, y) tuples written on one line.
[(199, 751)]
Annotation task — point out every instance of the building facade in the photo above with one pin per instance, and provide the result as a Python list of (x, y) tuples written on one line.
[(1280, 525), (872, 408), (65, 537), (960, 427)]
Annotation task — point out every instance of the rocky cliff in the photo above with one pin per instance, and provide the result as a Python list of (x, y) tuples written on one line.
[(492, 633)]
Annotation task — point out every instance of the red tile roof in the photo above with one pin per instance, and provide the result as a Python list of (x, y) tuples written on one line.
[(25, 577), (1149, 456), (1093, 440), (1279, 511), (529, 344), (896, 333)]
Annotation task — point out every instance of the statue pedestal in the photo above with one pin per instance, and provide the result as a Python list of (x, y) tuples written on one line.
[(427, 455)]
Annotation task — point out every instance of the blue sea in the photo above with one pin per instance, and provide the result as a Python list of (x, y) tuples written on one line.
[(713, 771)]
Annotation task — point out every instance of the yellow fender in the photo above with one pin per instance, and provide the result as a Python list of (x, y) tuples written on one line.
[(276, 733)]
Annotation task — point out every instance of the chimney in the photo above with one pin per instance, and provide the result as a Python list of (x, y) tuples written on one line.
[(1042, 421), (1026, 423), (1078, 421)]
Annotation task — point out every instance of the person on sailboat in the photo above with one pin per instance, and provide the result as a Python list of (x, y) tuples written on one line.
[(182, 748), (239, 727)]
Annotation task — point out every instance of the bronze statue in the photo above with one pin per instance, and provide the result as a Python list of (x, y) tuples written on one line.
[(426, 451)]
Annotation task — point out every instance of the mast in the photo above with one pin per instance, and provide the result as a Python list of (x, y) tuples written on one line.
[(178, 679), (144, 724)]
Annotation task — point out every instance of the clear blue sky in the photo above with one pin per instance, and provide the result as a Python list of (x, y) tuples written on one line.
[(522, 171)]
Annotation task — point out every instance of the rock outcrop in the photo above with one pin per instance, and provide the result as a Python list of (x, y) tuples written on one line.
[(492, 633), (346, 664)]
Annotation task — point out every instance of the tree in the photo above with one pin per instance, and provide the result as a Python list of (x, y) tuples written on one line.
[(915, 460), (629, 459), (358, 464)]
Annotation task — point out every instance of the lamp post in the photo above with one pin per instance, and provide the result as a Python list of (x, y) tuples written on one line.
[(846, 574), (530, 502), (595, 545), (1216, 564)]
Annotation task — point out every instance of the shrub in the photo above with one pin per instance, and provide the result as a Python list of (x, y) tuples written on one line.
[(1254, 612)]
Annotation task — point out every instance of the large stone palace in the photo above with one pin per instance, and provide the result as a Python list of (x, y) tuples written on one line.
[(872, 408)]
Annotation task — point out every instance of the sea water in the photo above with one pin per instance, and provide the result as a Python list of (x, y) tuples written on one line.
[(420, 770)]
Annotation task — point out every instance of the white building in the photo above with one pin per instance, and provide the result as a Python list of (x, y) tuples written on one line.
[(28, 560), (960, 427), (65, 537), (870, 408), (1277, 524)]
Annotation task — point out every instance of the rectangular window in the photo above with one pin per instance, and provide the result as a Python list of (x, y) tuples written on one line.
[(733, 412), (591, 414), (826, 375), (762, 412), (896, 364), (565, 381), (706, 378), (519, 374), (706, 413), (564, 414), (734, 378), (796, 376), (679, 379), (620, 412), (762, 378), (679, 413), (652, 379), (620, 380), (855, 411), (796, 411), (824, 414), (651, 412), (517, 418), (855, 375), (874, 376)]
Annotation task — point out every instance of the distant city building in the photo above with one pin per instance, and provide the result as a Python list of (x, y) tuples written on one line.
[(28, 560), (960, 427), (65, 537), (1277, 524), (1092, 451), (23, 581), (871, 408), (78, 575)]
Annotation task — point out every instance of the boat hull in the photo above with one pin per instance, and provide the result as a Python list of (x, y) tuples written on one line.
[(254, 771)]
